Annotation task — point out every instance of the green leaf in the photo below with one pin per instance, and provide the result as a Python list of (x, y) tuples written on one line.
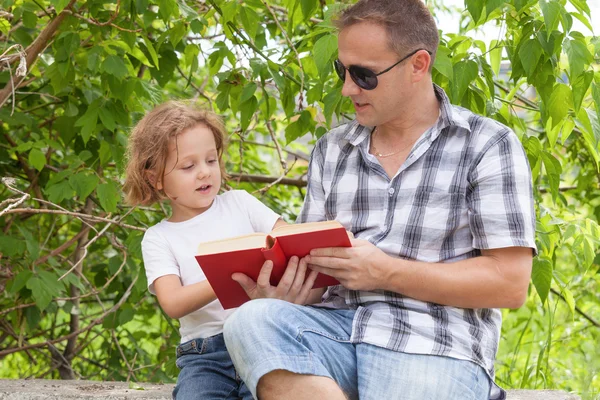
[(583, 20), (530, 53), (29, 20), (41, 293), (323, 51), (107, 118), (126, 314), (33, 246), (580, 86), (83, 184), (249, 19), (4, 26), (551, 11), (115, 66), (149, 91), (59, 5), (151, 50), (443, 62), (299, 127), (553, 171), (579, 56), (559, 103), (19, 281), (541, 275), (492, 5), (596, 97), (308, 8), (248, 91), (247, 110), (33, 316), (330, 103), (88, 122), (37, 159), (11, 246), (105, 152), (495, 54), (475, 8), (567, 129), (108, 195), (177, 32), (465, 72)]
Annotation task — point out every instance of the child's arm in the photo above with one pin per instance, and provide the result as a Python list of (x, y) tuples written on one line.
[(177, 300)]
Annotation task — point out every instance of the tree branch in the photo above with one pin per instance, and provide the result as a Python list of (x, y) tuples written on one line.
[(34, 49)]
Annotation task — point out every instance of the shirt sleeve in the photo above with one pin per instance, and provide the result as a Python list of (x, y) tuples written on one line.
[(158, 258), (500, 199), (261, 217), (313, 209)]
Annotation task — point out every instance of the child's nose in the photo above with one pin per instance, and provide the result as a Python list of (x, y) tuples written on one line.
[(203, 171)]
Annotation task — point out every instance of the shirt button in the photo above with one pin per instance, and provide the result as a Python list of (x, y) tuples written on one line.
[(391, 191)]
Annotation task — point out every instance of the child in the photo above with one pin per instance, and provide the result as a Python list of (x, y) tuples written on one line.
[(175, 154)]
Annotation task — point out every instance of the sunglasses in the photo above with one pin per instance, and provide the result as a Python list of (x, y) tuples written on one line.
[(364, 77)]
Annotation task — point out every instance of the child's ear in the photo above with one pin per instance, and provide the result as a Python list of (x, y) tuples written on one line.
[(151, 176)]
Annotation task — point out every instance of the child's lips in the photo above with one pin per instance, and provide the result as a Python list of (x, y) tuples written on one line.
[(204, 188)]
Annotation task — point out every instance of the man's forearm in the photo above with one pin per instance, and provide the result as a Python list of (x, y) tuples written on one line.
[(497, 279)]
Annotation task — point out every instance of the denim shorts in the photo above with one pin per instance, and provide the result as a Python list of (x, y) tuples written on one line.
[(207, 372), (266, 335)]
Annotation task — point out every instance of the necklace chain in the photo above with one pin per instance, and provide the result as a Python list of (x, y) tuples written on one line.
[(381, 155)]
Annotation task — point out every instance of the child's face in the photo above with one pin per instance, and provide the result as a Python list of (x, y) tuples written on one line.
[(192, 173)]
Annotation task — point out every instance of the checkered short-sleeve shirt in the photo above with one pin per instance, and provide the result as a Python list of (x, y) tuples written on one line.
[(465, 186)]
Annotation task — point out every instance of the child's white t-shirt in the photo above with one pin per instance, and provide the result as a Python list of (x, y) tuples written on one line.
[(169, 248)]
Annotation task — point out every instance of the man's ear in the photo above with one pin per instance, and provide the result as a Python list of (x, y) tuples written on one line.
[(151, 176), (420, 65)]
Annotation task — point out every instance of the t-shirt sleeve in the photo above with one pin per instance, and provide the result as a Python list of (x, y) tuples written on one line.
[(261, 217), (313, 209), (158, 258), (500, 199)]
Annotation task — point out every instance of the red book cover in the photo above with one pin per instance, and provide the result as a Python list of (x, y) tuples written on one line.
[(219, 260)]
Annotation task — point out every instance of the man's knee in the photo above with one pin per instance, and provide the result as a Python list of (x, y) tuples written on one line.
[(254, 318)]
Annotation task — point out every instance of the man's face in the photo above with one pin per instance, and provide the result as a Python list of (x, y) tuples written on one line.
[(366, 45)]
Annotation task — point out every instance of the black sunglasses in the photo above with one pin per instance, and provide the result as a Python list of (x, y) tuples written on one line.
[(364, 77)]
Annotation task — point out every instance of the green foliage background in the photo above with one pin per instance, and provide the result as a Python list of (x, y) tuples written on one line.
[(73, 299)]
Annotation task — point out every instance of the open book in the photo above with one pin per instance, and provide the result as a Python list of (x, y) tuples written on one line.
[(246, 254)]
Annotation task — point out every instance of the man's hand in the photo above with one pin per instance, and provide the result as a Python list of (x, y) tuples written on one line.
[(360, 267), (291, 287)]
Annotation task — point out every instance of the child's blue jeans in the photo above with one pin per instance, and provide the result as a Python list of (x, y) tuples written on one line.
[(207, 372)]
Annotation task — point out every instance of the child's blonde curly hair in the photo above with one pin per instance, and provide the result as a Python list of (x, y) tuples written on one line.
[(148, 147)]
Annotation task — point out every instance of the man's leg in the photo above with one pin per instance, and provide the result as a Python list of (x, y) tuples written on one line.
[(288, 347), (386, 374)]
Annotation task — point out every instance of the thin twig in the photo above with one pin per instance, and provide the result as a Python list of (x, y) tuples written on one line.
[(91, 218), (97, 321), (85, 248), (287, 39), (578, 310)]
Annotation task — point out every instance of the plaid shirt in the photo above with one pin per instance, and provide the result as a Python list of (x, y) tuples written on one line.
[(465, 186)]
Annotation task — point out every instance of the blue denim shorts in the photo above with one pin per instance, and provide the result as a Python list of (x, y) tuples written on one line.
[(207, 372), (267, 335)]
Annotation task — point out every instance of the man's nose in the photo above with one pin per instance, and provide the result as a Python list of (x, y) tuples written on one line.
[(350, 87)]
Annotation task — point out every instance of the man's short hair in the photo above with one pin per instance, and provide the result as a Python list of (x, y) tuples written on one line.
[(409, 23)]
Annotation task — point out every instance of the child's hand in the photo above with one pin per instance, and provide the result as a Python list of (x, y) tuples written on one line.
[(292, 287)]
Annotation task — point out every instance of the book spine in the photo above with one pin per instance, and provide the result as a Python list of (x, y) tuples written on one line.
[(275, 254)]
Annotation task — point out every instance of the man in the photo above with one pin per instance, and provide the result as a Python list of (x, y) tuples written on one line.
[(441, 204)]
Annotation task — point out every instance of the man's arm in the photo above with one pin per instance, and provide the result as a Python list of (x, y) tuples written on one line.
[(499, 278)]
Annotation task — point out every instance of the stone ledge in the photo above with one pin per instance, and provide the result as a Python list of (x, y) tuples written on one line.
[(40, 389)]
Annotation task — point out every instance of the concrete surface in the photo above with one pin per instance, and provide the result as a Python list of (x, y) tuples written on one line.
[(40, 389)]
